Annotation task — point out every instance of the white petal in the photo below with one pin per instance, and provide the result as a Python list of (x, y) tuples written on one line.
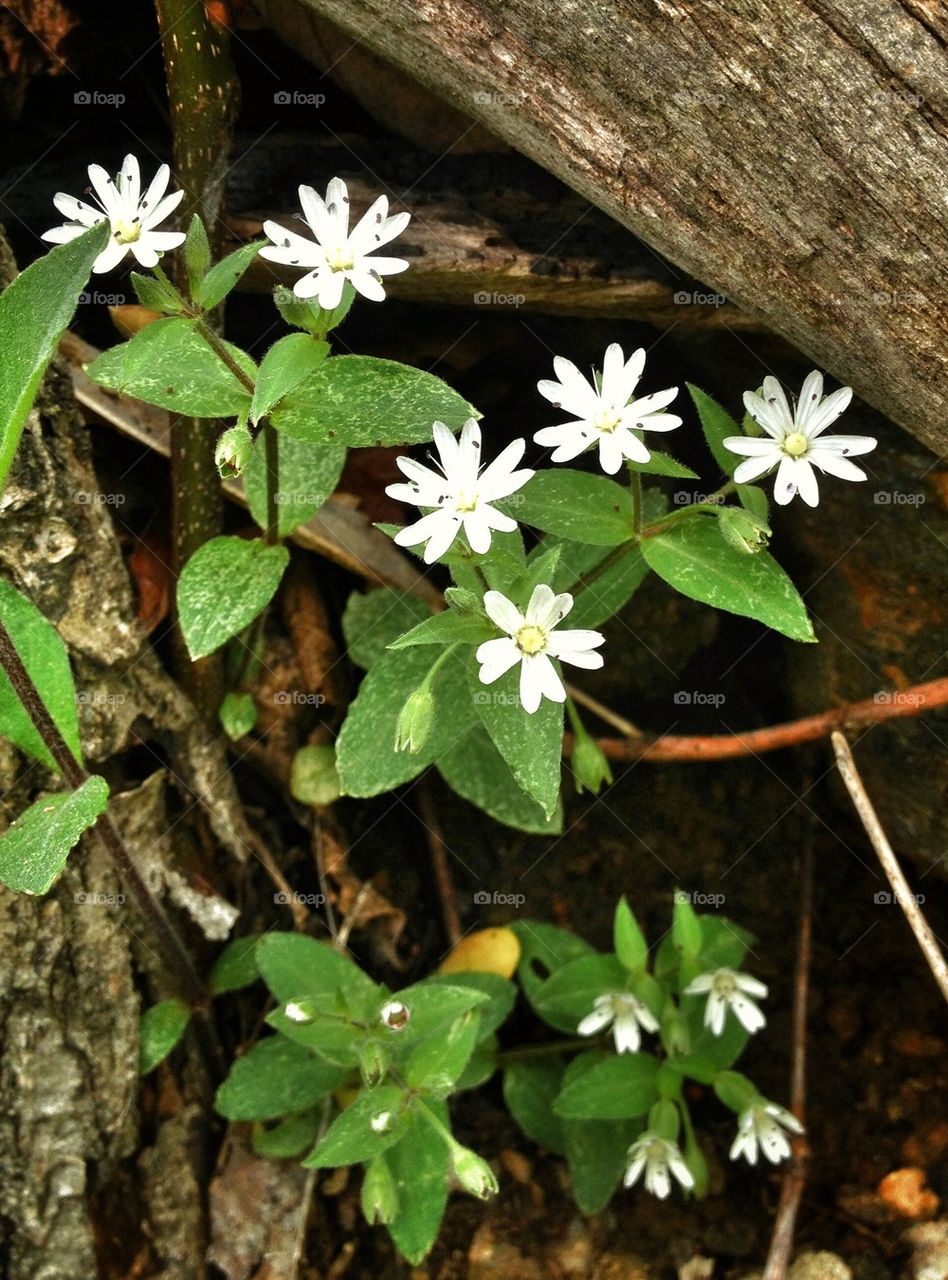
[(764, 415), (546, 676), (163, 209), (331, 284), (156, 190), (595, 1021), (110, 257), (631, 446), (563, 643), (793, 476), (477, 530), (613, 368), (827, 413), (748, 1014), (105, 189), (715, 1013), (309, 286), (847, 445), (145, 254), (442, 536), (62, 235), (634, 1171), (810, 395), (546, 608), (365, 281), (531, 686), (626, 1033), (754, 446), (497, 658), (503, 612), (651, 404), (77, 210), (754, 468), (611, 455), (751, 985)]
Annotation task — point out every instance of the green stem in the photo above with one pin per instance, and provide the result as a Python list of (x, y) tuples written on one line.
[(636, 487), (271, 444), (525, 1053)]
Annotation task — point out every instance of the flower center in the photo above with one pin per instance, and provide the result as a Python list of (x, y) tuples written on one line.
[(531, 639), (606, 420), (795, 444), (724, 984), (340, 258), (126, 232), (466, 500)]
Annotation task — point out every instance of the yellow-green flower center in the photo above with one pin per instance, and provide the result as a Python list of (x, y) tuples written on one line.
[(795, 444), (466, 501), (606, 420), (127, 232), (340, 258), (724, 984), (531, 639)]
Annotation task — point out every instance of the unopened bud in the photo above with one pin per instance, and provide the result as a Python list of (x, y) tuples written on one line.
[(379, 1193), (590, 766), (233, 452), (474, 1174), (415, 721), (373, 1062), (742, 530)]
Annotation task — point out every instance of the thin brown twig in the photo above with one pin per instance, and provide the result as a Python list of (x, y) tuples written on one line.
[(781, 1242), (439, 859), (674, 748), (890, 864)]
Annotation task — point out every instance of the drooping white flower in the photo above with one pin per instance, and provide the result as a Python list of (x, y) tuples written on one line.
[(659, 1158), (626, 1013), (606, 414), (795, 443), (532, 640), (337, 255), (459, 491), (763, 1125), (133, 217), (728, 989)]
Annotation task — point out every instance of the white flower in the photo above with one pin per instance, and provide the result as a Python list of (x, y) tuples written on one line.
[(532, 641), (795, 443), (727, 989), (132, 216), (337, 255), (762, 1124), (460, 492), (395, 1015), (659, 1158), (605, 414), (626, 1013)]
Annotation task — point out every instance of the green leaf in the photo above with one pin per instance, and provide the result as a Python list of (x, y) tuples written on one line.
[(274, 1078), (291, 1137), (449, 627), (284, 367), (717, 424), (362, 401), (574, 504), (663, 464), (596, 1150), (366, 758), (618, 1086), (607, 591), (724, 944), (325, 1025), (544, 949), (161, 1030), (532, 745), (629, 940), (44, 655), (169, 364), (308, 475), (237, 714), (197, 254), (157, 294), (438, 1062), (501, 996), (530, 1088), (434, 1006), (569, 993), (34, 311), (376, 1121), (686, 926), (34, 848), (224, 275), (294, 967), (223, 587), (693, 558), (420, 1166), (236, 966), (374, 619), (476, 770)]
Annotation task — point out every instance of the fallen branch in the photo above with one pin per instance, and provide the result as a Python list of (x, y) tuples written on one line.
[(890, 865), (674, 748)]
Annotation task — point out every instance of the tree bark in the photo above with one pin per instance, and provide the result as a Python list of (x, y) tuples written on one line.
[(790, 153)]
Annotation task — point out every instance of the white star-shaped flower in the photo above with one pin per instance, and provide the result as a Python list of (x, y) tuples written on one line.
[(660, 1159), (762, 1125), (460, 492), (626, 1013), (132, 216), (728, 989), (532, 640), (795, 443), (337, 255), (606, 414)]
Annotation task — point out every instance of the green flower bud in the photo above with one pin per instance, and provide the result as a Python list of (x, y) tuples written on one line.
[(314, 778), (415, 721), (379, 1193), (474, 1174), (374, 1062), (233, 452), (743, 530), (589, 764)]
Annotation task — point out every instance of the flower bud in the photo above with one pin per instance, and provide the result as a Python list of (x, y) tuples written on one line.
[(233, 452), (474, 1174), (590, 766), (742, 530), (395, 1015), (379, 1193), (415, 721), (374, 1062)]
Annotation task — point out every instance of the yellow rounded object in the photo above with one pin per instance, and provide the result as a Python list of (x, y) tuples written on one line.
[(486, 951)]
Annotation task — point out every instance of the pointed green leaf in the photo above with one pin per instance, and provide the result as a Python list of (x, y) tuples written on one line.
[(618, 1086), (574, 504), (34, 848), (284, 367), (532, 745), (420, 1166), (376, 1121), (629, 940), (161, 1030), (308, 475), (274, 1078), (476, 770), (224, 275), (223, 587)]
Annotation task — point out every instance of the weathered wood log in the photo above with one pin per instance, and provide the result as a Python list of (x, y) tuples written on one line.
[(792, 153)]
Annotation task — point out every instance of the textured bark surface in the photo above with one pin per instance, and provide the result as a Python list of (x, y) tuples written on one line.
[(791, 153)]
